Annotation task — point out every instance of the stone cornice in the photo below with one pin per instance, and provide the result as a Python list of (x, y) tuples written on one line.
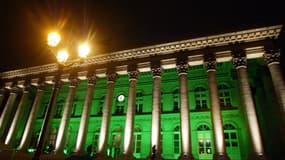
[(156, 50)]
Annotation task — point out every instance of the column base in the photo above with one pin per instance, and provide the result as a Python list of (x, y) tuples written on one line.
[(126, 157), (218, 156), (259, 156), (188, 157), (102, 156), (155, 157)]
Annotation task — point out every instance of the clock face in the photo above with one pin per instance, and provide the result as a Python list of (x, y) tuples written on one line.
[(121, 98)]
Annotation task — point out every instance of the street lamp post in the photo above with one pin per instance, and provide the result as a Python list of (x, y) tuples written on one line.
[(62, 55)]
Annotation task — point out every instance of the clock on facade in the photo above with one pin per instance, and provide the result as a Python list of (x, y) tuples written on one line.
[(121, 98)]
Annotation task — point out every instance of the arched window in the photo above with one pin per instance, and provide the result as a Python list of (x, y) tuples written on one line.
[(204, 142), (137, 141), (200, 98), (225, 97), (231, 140), (176, 140), (175, 95), (139, 102)]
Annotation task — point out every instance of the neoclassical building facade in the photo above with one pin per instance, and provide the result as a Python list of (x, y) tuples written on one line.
[(217, 97)]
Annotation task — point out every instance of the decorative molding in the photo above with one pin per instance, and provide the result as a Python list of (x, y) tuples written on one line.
[(160, 49), (200, 117), (30, 71)]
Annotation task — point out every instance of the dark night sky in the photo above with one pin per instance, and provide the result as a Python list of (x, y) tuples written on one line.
[(118, 25)]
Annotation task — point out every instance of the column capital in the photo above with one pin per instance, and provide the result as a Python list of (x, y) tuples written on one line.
[(210, 62), (14, 88), (27, 85), (182, 65), (156, 69), (239, 58), (112, 76), (239, 62), (271, 56), (41, 84), (73, 80), (2, 90), (57, 82), (133, 74), (91, 78), (210, 65)]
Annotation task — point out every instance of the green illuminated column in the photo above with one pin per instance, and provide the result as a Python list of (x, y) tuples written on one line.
[(82, 132), (182, 68), (10, 139), (61, 136), (103, 140), (220, 148), (239, 62), (27, 135), (155, 126), (7, 109), (272, 58), (129, 126)]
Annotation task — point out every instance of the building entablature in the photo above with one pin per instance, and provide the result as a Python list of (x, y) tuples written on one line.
[(251, 41)]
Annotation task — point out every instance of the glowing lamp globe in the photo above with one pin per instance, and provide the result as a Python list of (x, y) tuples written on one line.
[(53, 39), (62, 56), (83, 50)]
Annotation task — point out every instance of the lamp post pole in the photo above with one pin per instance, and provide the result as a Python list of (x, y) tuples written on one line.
[(48, 115)]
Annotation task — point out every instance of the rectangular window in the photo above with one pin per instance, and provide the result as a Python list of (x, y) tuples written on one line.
[(201, 146), (95, 141), (204, 104), (137, 143), (175, 106), (208, 147), (176, 144), (198, 106), (119, 109), (58, 111), (139, 108)]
